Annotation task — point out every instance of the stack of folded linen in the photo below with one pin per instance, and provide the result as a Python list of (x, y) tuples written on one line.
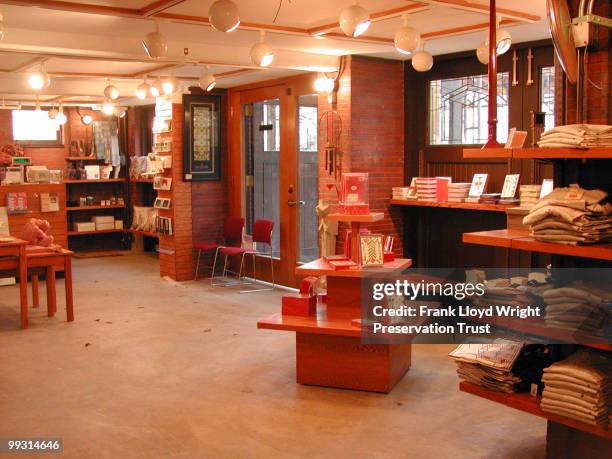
[(517, 291), (580, 387), (578, 307), (577, 136), (571, 216), (529, 195)]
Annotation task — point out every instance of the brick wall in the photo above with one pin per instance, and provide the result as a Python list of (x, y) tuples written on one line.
[(370, 104)]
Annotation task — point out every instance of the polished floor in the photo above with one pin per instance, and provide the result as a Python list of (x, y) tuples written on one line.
[(152, 368)]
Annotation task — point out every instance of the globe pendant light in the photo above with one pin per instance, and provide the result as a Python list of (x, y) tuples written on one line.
[(504, 41), (422, 61), (407, 39), (482, 52), (354, 20), (61, 118), (223, 15), (52, 113), (108, 108), (156, 88), (39, 80), (207, 81), (155, 44), (1, 27), (111, 92), (143, 90), (261, 54), (169, 85)]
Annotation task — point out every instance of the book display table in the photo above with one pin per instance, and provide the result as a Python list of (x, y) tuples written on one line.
[(328, 349)]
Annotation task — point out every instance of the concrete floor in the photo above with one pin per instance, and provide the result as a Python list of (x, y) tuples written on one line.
[(152, 368)]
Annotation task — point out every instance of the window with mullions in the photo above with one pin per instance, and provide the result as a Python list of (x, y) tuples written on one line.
[(34, 128), (547, 96), (271, 119), (458, 110)]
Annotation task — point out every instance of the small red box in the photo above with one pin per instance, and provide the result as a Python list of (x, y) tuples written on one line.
[(388, 256), (298, 304)]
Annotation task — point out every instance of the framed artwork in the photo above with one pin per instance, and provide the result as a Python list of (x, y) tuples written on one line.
[(516, 139), (162, 203), (371, 250), (479, 184), (203, 127), (162, 183)]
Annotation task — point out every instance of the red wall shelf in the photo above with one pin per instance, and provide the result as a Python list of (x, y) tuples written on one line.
[(534, 153)]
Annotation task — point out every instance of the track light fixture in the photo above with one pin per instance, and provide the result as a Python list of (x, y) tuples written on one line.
[(482, 53), (170, 84), (207, 81), (155, 44), (52, 113), (354, 20), (40, 79), (121, 112), (422, 61), (111, 92), (407, 39), (1, 26), (224, 16), (261, 54), (143, 90), (324, 84), (61, 118), (37, 108), (503, 39)]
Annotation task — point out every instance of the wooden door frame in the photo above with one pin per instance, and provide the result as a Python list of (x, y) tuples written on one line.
[(286, 90)]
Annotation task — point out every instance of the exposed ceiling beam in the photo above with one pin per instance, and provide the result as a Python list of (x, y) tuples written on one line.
[(427, 35), (466, 5), (88, 8), (374, 17), (29, 64), (158, 6)]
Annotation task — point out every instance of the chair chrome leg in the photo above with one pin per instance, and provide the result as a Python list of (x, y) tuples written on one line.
[(195, 277)]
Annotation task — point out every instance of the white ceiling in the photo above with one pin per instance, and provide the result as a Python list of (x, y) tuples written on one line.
[(85, 41)]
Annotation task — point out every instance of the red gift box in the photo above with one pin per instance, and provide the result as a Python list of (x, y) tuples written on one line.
[(388, 256), (298, 304)]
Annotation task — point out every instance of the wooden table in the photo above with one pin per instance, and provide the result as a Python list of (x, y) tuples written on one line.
[(16, 251), (37, 261)]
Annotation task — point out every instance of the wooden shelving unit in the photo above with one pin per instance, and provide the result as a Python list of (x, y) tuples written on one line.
[(86, 208), (529, 404), (520, 240), (81, 158), (452, 205), (110, 180), (535, 153), (144, 233), (85, 233)]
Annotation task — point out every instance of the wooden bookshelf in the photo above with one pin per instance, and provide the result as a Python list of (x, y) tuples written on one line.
[(535, 153), (98, 207), (520, 240), (529, 404), (84, 233), (112, 180), (81, 158), (453, 205)]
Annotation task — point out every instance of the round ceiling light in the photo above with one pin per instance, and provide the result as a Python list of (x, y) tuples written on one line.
[(39, 80), (223, 15), (407, 39), (156, 88), (504, 41), (52, 113), (108, 108), (422, 61), (143, 90), (169, 85), (324, 84), (111, 92), (155, 44), (61, 117), (86, 119), (207, 81), (482, 53), (354, 20), (261, 54)]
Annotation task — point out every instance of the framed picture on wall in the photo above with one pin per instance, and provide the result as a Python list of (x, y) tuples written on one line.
[(203, 127)]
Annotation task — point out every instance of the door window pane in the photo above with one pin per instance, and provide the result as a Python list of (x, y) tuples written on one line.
[(547, 96), (308, 179), (262, 166), (458, 110)]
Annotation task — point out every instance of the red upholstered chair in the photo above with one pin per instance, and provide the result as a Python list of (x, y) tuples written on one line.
[(262, 234), (233, 228)]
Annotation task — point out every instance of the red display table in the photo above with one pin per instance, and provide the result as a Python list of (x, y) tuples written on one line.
[(329, 351)]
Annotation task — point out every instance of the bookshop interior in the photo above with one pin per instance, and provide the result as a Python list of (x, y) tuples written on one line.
[(290, 228)]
